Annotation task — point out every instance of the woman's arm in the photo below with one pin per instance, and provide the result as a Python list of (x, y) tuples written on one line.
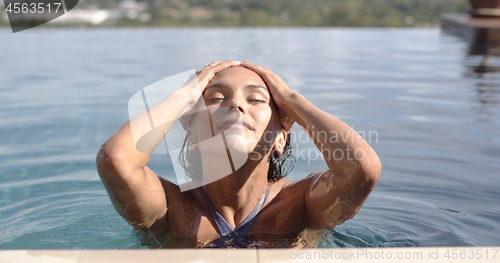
[(135, 191), (354, 168)]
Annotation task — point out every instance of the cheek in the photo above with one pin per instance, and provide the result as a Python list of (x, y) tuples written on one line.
[(265, 120)]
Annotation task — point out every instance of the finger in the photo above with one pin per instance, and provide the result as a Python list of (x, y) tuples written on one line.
[(287, 123), (285, 120), (207, 73), (219, 66), (266, 74), (213, 63), (223, 65), (254, 67)]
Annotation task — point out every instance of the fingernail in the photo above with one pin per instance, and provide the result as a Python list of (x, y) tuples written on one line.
[(237, 62)]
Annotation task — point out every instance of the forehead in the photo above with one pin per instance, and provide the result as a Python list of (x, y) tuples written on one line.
[(237, 76)]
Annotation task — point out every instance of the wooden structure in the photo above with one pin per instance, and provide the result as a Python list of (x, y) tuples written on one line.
[(480, 28), (483, 22), (485, 8)]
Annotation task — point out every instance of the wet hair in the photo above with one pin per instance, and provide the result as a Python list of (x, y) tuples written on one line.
[(278, 168), (280, 165)]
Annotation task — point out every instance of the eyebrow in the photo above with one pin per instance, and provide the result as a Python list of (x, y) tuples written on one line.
[(249, 86)]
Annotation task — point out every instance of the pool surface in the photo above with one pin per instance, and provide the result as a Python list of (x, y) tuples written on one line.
[(423, 99)]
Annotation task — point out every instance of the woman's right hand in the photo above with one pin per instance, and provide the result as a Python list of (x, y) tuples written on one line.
[(195, 88), (206, 74)]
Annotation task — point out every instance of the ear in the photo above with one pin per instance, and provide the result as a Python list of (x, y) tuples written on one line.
[(280, 141)]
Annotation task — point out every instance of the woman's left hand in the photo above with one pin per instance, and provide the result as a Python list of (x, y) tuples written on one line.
[(279, 90)]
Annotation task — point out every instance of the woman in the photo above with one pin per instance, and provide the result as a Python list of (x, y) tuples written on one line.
[(253, 205)]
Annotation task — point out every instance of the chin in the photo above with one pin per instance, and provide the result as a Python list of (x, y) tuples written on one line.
[(215, 150), (237, 143)]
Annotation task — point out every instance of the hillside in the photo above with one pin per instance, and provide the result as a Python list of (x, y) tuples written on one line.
[(310, 13)]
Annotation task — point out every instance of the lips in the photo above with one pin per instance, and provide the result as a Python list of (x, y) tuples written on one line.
[(237, 123)]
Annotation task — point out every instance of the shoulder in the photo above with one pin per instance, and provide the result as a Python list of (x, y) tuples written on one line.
[(285, 208), (179, 205), (304, 183), (293, 190)]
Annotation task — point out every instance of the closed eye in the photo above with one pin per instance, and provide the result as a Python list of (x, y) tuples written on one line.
[(215, 99), (256, 101)]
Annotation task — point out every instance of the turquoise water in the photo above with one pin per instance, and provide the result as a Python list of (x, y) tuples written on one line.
[(436, 121)]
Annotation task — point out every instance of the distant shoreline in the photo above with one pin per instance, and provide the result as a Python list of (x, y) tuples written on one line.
[(232, 27), (256, 13)]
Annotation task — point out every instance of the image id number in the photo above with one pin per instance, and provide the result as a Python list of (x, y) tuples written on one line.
[(471, 253), (32, 8)]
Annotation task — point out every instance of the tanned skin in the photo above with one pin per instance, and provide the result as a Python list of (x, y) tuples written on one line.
[(323, 199)]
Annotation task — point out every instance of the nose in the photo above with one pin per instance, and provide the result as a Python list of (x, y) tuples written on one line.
[(235, 104)]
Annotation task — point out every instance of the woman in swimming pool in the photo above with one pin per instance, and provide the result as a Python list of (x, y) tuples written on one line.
[(253, 205)]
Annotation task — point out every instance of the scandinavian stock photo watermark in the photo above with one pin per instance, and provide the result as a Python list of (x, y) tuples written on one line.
[(305, 151), (210, 142)]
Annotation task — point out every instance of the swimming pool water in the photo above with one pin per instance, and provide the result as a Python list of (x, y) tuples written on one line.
[(432, 116)]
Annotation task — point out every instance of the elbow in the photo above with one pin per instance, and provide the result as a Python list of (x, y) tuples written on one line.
[(374, 173), (108, 158), (105, 155), (372, 168)]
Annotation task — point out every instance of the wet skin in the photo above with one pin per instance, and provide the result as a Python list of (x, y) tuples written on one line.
[(157, 207)]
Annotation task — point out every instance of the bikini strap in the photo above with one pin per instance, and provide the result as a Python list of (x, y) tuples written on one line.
[(245, 225)]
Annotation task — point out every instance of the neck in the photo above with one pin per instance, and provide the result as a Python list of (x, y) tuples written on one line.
[(236, 195)]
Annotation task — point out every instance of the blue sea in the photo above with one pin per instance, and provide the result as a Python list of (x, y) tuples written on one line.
[(427, 102)]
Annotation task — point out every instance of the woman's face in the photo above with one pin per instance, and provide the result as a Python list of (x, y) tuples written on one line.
[(240, 108)]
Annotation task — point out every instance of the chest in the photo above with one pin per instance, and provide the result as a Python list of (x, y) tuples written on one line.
[(280, 216)]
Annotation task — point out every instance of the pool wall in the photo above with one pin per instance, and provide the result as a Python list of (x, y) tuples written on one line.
[(420, 254)]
